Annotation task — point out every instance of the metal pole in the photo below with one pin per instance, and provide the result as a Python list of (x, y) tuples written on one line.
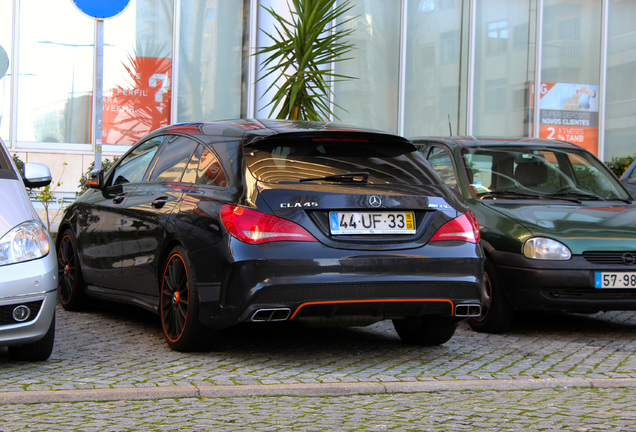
[(98, 91), (251, 62), (470, 90), (176, 39), (402, 66), (538, 53), (602, 99)]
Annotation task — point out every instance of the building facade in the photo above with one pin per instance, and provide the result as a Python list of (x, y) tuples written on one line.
[(422, 67)]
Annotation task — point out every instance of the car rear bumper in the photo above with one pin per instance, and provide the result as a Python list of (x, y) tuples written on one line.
[(33, 285), (561, 286), (361, 286)]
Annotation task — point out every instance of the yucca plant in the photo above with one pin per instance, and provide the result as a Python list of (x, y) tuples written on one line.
[(302, 55)]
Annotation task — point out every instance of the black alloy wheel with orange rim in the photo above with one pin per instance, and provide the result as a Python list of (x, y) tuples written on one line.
[(70, 282), (179, 304)]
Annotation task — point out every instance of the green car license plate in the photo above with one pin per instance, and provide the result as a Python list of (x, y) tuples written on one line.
[(615, 279), (381, 222)]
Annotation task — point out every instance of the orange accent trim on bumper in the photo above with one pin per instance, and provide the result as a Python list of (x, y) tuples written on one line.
[(372, 301)]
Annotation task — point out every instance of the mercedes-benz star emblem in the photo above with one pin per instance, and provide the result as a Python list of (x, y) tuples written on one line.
[(629, 258), (375, 201)]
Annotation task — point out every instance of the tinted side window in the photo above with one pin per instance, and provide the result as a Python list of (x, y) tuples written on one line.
[(173, 158), (632, 176), (441, 161), (135, 164), (6, 170), (205, 168), (480, 169), (590, 178), (4, 159)]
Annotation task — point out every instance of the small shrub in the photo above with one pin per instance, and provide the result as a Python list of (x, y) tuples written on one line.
[(618, 165), (45, 195), (17, 161)]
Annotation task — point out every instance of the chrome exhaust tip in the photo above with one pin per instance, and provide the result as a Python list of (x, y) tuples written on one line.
[(273, 314), (467, 310)]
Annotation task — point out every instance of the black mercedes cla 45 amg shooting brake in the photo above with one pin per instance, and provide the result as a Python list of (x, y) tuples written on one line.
[(214, 224)]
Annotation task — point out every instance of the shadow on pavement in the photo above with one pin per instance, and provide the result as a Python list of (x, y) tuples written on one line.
[(291, 337)]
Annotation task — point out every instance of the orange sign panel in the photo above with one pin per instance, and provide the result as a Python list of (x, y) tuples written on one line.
[(133, 110)]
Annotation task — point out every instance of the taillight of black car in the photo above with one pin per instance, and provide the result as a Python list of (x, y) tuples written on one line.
[(463, 228), (254, 227)]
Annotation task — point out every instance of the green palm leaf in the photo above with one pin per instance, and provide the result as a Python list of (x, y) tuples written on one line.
[(301, 56)]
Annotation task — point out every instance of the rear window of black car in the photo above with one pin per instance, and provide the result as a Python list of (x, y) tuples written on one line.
[(294, 159)]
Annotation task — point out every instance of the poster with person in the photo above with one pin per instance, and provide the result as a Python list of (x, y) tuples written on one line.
[(569, 112)]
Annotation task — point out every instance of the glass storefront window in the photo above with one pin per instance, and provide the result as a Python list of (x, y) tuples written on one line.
[(137, 71), (210, 59), (54, 81), (620, 124), (433, 50), (6, 13), (371, 99), (503, 67), (55, 72), (266, 24), (570, 71)]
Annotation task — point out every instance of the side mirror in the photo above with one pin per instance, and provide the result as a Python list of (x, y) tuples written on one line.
[(95, 179), (35, 175)]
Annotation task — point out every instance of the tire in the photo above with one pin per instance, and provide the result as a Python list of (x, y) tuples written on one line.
[(35, 351), (70, 281), (496, 313), (425, 330), (179, 305)]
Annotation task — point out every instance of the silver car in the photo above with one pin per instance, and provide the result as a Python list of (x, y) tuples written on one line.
[(28, 265)]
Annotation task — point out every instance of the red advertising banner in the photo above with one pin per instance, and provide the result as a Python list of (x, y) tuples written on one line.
[(140, 107), (569, 112)]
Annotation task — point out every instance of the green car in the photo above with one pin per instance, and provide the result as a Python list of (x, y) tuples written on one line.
[(557, 227)]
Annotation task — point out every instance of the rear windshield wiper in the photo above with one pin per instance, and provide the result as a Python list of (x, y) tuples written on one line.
[(352, 177)]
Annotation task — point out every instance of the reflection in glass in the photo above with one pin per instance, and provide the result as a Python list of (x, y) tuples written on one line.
[(5, 71), (351, 162), (542, 173), (503, 68), (620, 127), (433, 47), (372, 99), (210, 59), (138, 71), (55, 72)]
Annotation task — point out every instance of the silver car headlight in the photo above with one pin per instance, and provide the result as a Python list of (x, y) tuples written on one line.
[(25, 242), (542, 248)]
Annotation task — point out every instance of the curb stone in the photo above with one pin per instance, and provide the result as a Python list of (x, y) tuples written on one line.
[(331, 389)]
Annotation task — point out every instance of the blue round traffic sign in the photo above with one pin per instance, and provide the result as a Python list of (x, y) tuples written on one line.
[(101, 9)]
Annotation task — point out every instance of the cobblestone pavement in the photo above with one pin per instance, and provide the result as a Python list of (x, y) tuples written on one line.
[(121, 348), (536, 410)]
